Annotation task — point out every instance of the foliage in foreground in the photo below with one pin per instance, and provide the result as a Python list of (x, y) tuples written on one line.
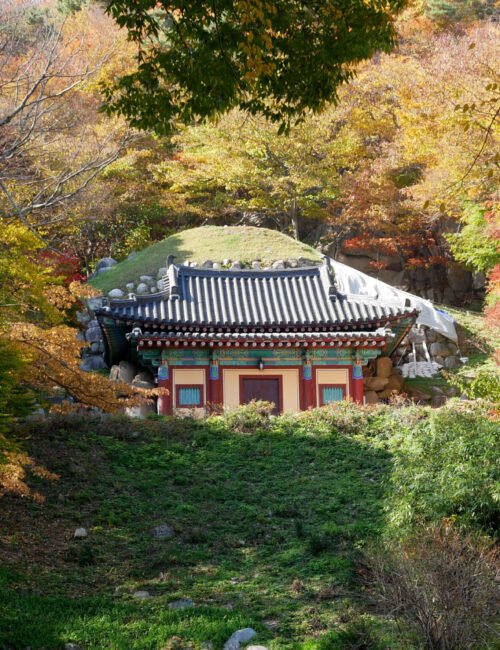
[(269, 525), (442, 583)]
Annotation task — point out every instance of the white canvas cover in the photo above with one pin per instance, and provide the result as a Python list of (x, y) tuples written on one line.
[(353, 283)]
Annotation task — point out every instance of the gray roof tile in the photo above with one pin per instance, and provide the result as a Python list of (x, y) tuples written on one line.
[(195, 296)]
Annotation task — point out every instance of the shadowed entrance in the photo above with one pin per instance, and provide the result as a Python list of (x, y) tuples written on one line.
[(267, 389)]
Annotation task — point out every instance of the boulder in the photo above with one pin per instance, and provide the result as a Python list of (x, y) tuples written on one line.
[(105, 263), (143, 379), (438, 349), (141, 288), (125, 372), (371, 397), (239, 637), (141, 411), (459, 278), (93, 334), (375, 383), (95, 303), (419, 395), (116, 293), (89, 364), (384, 367), (396, 382), (452, 363)]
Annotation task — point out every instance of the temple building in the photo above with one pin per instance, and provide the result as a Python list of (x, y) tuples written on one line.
[(219, 338)]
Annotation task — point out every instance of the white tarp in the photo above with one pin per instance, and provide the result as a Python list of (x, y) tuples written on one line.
[(353, 283)]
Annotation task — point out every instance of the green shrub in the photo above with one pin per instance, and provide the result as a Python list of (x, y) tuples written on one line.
[(484, 384), (251, 417), (448, 466)]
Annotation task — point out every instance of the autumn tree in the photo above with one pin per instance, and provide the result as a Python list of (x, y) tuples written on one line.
[(51, 145), (274, 58)]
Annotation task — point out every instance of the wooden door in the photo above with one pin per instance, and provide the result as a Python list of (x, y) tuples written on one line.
[(267, 389)]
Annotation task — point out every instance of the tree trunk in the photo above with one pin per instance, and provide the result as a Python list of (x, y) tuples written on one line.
[(294, 218)]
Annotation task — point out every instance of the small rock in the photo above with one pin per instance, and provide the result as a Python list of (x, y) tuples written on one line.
[(72, 646), (116, 293), (130, 286), (162, 272), (207, 645), (207, 264), (240, 636), (279, 264), (271, 624), (216, 265), (141, 288), (105, 263), (163, 531), (147, 279), (142, 594), (226, 262), (452, 363), (160, 285), (153, 289), (80, 533), (236, 265), (256, 266), (182, 603)]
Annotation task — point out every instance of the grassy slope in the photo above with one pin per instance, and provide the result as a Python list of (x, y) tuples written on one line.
[(244, 243), (267, 529)]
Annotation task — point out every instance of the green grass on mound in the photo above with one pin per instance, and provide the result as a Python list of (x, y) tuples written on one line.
[(216, 243)]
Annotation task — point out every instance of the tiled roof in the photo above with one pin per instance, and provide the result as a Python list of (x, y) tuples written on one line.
[(200, 297), (376, 338)]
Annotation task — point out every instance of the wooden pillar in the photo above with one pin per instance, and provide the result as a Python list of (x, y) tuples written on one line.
[(357, 381), (165, 381), (215, 395), (307, 385)]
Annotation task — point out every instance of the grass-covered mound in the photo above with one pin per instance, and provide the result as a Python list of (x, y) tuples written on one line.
[(270, 517), (215, 243)]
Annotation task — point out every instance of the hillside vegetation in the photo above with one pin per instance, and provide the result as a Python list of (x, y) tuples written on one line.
[(243, 243), (270, 519)]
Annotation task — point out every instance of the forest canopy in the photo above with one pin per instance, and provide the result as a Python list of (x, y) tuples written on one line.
[(275, 58)]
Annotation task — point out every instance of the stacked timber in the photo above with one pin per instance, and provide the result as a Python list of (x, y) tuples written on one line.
[(382, 380)]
